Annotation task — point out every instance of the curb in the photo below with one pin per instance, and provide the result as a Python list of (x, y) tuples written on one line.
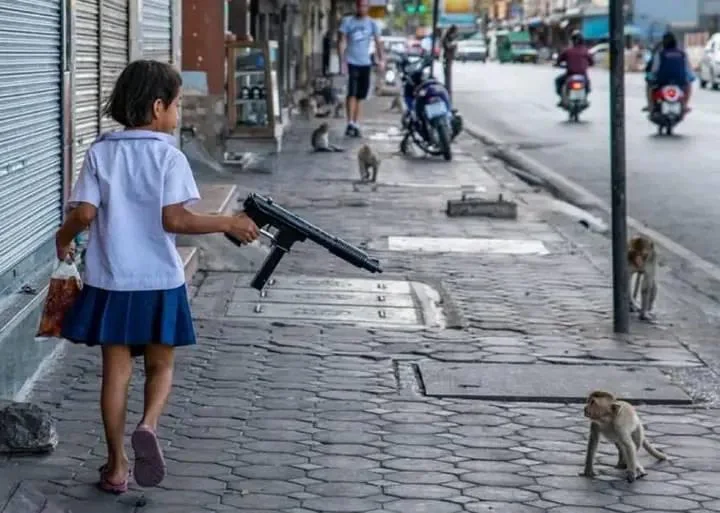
[(581, 197)]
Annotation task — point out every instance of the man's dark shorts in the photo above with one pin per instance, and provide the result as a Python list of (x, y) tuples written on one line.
[(358, 81)]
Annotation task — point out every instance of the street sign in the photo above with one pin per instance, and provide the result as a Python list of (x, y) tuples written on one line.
[(457, 7), (377, 9)]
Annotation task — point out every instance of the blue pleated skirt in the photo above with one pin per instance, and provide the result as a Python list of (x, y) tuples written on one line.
[(132, 318)]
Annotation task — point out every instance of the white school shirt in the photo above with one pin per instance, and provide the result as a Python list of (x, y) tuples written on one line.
[(130, 176)]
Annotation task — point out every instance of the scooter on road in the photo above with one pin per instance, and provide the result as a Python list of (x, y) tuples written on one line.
[(667, 108)]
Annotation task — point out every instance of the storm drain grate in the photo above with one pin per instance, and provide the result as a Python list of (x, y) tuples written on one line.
[(398, 304)]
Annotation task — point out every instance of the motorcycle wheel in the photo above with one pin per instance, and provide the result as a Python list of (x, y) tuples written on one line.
[(405, 145), (444, 141)]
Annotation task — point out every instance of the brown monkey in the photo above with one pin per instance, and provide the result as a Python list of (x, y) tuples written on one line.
[(397, 104), (320, 140), (367, 159), (308, 107), (643, 268), (618, 422)]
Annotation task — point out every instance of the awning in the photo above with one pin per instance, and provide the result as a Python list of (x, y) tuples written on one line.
[(595, 28), (630, 30)]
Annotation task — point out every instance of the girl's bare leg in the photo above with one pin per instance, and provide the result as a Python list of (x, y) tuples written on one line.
[(117, 371), (159, 362)]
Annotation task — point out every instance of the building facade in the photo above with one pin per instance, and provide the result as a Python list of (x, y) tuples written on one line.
[(58, 62)]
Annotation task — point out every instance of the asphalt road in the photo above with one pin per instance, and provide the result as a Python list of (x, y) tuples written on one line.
[(673, 184)]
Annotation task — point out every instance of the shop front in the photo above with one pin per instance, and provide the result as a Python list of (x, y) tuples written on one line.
[(59, 61), (32, 140)]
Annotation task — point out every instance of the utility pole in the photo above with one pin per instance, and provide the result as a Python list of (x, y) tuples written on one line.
[(435, 19), (621, 287)]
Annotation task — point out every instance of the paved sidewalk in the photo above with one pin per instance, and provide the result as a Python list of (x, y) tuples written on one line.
[(293, 416)]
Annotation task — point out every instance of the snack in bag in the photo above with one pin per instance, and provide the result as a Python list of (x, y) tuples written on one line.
[(65, 287)]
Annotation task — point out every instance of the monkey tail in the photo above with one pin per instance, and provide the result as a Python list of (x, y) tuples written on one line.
[(322, 114), (653, 451)]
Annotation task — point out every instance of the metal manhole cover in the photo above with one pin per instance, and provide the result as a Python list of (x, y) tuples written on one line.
[(549, 383), (402, 304), (467, 245)]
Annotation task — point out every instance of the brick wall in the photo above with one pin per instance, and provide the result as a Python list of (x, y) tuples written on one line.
[(203, 41)]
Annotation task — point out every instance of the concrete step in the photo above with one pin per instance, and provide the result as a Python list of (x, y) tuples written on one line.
[(217, 199)]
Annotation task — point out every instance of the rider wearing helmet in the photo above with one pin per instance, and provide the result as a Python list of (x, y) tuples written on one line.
[(577, 59), (670, 66)]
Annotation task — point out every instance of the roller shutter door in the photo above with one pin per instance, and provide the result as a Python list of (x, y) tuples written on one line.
[(30, 126), (86, 78), (114, 48), (157, 30)]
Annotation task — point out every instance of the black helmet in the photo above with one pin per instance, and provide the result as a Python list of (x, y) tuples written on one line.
[(669, 41), (576, 37)]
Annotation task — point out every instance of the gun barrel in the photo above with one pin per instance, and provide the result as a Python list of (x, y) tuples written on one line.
[(262, 208)]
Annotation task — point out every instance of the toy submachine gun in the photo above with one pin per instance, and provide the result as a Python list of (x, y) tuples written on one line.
[(291, 229)]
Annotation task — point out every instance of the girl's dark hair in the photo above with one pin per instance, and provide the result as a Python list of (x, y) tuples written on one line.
[(140, 84)]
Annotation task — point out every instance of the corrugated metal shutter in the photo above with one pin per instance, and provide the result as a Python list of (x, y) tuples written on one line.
[(114, 49), (86, 107), (30, 126), (157, 30)]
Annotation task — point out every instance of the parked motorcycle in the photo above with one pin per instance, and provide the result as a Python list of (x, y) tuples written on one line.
[(667, 109), (429, 121)]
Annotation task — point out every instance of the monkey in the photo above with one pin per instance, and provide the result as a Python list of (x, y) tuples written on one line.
[(367, 159), (642, 260), (308, 107), (320, 140), (397, 104), (618, 422), (331, 102)]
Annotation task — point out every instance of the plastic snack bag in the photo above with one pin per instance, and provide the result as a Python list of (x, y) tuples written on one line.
[(65, 287)]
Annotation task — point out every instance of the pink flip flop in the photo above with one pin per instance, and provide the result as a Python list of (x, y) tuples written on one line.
[(114, 488), (149, 461)]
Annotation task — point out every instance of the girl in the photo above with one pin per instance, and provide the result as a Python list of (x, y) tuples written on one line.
[(132, 194)]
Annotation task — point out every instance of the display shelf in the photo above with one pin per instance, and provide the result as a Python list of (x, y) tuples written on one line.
[(253, 96)]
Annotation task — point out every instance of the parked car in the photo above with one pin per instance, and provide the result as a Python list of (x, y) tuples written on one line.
[(397, 44), (515, 46), (710, 63), (473, 48), (600, 51)]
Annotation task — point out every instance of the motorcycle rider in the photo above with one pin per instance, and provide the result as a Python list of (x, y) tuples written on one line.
[(670, 66), (577, 59)]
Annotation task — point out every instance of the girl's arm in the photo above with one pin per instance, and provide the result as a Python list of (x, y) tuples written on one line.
[(177, 219), (77, 221)]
